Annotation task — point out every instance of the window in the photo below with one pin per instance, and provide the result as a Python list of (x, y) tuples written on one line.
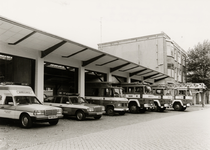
[(139, 90), (159, 92), (57, 99), (130, 89), (65, 100), (182, 92), (170, 66), (7, 100)]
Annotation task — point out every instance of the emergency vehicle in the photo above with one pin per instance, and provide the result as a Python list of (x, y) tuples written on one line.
[(139, 95), (103, 93), (74, 105), (165, 99), (182, 94), (19, 102)]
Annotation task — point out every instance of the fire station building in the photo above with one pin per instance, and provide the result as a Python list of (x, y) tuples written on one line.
[(54, 65), (49, 63), (157, 52)]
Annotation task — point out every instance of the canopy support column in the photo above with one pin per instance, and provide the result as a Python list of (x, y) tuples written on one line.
[(39, 78), (81, 81)]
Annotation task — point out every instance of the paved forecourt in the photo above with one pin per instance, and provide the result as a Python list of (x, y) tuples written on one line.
[(188, 131)]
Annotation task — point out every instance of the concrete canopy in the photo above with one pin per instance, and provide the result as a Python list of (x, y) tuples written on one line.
[(17, 34)]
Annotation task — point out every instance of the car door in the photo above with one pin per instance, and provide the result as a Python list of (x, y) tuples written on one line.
[(8, 108), (66, 106)]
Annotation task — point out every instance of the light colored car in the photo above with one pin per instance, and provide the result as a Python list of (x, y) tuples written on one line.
[(20, 103), (75, 106)]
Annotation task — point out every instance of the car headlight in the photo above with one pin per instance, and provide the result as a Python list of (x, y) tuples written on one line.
[(59, 111), (90, 109), (103, 108), (39, 112)]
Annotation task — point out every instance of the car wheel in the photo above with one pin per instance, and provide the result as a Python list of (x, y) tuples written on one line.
[(53, 122), (97, 117), (133, 108), (25, 121), (177, 107), (80, 115), (110, 111)]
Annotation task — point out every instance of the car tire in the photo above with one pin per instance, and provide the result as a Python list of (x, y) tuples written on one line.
[(53, 122), (110, 111), (80, 115), (26, 121), (97, 117)]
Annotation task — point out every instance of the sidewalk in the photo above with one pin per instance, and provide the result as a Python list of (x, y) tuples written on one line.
[(188, 131)]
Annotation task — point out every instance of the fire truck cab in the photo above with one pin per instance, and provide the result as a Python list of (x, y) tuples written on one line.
[(182, 94), (140, 96), (164, 99), (103, 93)]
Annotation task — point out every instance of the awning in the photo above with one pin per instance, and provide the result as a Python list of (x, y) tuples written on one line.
[(16, 34)]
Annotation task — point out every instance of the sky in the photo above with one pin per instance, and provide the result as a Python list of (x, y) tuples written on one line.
[(90, 22)]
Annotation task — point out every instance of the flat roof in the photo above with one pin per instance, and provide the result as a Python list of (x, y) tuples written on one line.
[(18, 34)]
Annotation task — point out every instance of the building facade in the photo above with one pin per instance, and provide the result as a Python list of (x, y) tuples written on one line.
[(157, 52)]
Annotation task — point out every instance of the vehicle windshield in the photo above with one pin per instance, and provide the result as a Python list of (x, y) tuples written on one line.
[(24, 100), (117, 92), (78, 100), (148, 90), (158, 91), (185, 92)]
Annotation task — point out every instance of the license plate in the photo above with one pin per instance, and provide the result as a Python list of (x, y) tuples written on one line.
[(99, 113), (52, 117)]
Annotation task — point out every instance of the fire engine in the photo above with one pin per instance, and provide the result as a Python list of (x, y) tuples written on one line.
[(139, 95), (103, 93), (165, 98), (182, 93)]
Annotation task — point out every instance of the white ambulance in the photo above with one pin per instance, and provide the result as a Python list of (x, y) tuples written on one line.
[(19, 102)]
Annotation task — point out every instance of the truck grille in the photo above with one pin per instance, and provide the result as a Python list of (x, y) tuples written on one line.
[(97, 109), (51, 112), (124, 104)]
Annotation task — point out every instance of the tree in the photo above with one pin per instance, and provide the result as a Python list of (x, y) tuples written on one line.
[(198, 64)]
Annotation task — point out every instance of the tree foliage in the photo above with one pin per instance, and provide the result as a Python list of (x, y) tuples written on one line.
[(198, 64)]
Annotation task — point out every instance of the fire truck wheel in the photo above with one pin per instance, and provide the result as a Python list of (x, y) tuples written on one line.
[(97, 117), (25, 121), (177, 107), (53, 122), (110, 111), (156, 108), (133, 108), (80, 115)]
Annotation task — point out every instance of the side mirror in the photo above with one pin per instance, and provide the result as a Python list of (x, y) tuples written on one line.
[(67, 103)]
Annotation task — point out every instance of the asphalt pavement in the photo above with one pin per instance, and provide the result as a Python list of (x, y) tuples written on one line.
[(187, 131)]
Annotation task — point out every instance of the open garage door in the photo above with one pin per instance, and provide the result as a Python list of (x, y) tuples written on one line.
[(18, 70), (60, 79)]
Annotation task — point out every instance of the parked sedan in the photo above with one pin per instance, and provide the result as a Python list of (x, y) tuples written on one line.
[(75, 106)]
